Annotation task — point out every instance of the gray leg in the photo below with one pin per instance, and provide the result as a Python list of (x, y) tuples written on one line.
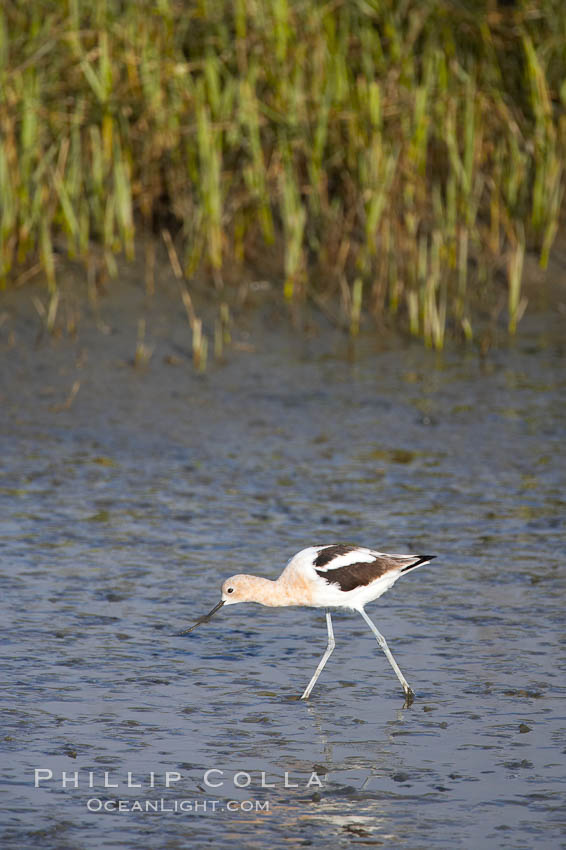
[(324, 659), (383, 644)]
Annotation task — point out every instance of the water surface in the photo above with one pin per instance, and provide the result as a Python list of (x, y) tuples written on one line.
[(122, 512)]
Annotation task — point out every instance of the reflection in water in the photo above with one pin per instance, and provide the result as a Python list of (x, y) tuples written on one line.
[(124, 513)]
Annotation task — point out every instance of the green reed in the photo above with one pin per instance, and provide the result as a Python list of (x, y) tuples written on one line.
[(392, 154)]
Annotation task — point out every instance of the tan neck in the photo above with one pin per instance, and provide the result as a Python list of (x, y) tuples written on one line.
[(267, 592), (275, 593)]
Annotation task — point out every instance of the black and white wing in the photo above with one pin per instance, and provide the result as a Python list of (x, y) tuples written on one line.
[(349, 566)]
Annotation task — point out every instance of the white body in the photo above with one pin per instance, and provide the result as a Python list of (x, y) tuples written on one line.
[(328, 595)]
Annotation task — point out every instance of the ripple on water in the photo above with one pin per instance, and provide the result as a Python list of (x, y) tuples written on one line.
[(117, 531)]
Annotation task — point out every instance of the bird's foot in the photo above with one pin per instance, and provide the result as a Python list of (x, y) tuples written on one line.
[(409, 697)]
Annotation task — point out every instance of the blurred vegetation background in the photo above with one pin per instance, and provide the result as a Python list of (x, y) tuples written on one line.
[(399, 155)]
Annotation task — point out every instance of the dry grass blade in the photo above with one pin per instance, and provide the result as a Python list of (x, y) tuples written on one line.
[(430, 146)]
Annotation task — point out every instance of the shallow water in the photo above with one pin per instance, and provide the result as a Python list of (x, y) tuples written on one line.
[(122, 513)]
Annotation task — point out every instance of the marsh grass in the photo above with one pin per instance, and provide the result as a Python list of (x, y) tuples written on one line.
[(393, 153)]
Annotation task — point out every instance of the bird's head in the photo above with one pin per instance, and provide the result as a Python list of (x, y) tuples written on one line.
[(238, 589)]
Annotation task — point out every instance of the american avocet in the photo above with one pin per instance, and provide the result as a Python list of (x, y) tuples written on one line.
[(337, 575)]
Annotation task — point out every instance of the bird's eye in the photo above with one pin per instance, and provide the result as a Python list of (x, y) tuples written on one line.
[(230, 590)]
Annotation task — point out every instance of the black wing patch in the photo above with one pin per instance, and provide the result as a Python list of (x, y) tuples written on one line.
[(419, 559), (334, 550), (361, 574), (356, 575)]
